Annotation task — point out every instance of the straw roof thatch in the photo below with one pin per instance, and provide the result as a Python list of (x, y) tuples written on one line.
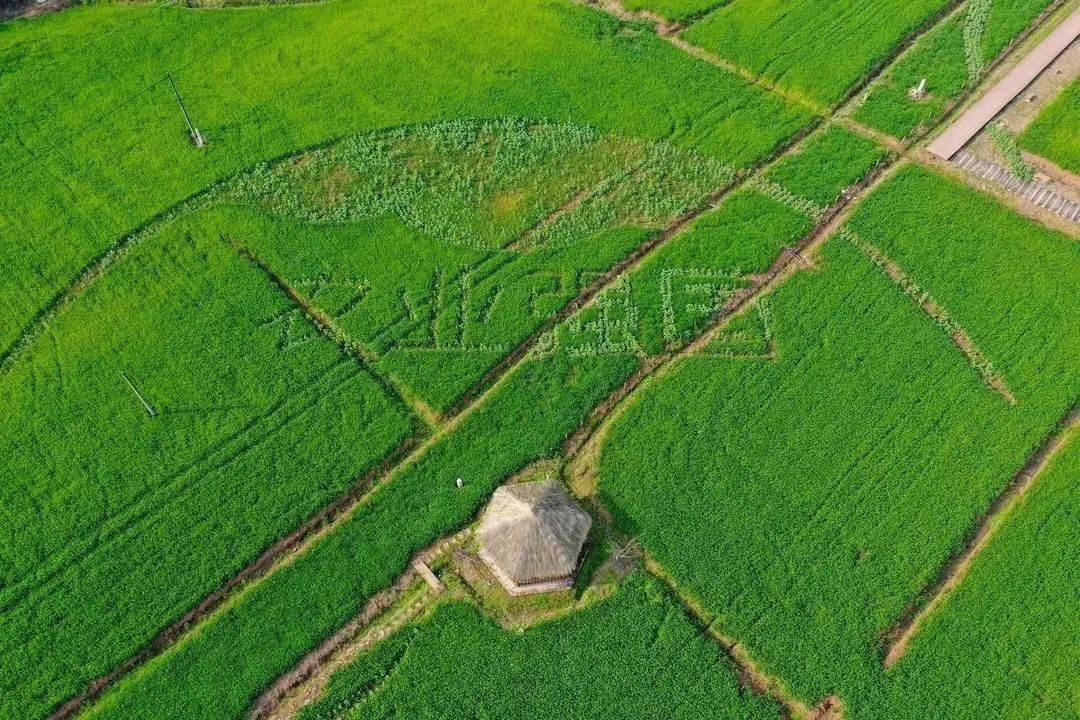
[(532, 533)]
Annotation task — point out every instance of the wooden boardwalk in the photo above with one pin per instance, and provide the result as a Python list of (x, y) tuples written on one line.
[(975, 118), (1032, 191)]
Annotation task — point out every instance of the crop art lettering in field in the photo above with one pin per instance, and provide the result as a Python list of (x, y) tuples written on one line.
[(619, 318)]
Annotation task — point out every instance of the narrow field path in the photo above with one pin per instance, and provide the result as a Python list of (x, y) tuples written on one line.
[(921, 298), (359, 634), (957, 135), (749, 674), (669, 31), (956, 567)]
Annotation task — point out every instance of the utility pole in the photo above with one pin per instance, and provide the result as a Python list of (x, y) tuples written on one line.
[(196, 136)]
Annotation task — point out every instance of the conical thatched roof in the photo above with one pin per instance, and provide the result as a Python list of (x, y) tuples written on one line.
[(532, 533)]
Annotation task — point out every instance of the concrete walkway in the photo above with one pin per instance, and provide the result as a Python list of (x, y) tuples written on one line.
[(996, 98)]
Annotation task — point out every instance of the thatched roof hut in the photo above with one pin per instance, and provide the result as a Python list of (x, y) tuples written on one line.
[(531, 537)]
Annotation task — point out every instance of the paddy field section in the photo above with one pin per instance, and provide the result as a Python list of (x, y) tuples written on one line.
[(458, 662), (818, 49), (1002, 644), (1054, 133), (201, 438), (809, 582), (430, 247)]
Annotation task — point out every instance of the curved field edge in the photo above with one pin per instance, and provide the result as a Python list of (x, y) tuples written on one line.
[(120, 145), (160, 377)]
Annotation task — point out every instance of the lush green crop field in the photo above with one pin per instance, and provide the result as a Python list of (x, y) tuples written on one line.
[(94, 129), (1055, 134), (442, 201), (635, 655), (116, 521), (216, 672), (951, 58), (818, 48), (1007, 281), (1004, 643), (805, 500), (677, 290), (382, 254), (675, 10), (831, 160)]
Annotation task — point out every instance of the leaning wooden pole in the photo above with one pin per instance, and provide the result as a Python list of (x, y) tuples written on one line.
[(196, 137)]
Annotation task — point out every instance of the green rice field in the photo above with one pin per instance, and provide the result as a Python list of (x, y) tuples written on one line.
[(1055, 132), (259, 382)]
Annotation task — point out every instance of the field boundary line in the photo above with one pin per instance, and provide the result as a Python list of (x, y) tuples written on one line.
[(669, 31), (359, 633), (956, 567), (268, 561), (326, 519), (925, 302), (330, 329)]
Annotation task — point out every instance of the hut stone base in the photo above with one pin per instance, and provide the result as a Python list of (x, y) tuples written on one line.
[(516, 588)]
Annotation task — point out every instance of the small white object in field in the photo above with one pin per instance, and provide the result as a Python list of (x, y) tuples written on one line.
[(459, 483)]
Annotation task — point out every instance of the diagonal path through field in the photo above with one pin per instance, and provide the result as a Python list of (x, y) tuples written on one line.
[(327, 519), (956, 567), (582, 449), (939, 315)]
